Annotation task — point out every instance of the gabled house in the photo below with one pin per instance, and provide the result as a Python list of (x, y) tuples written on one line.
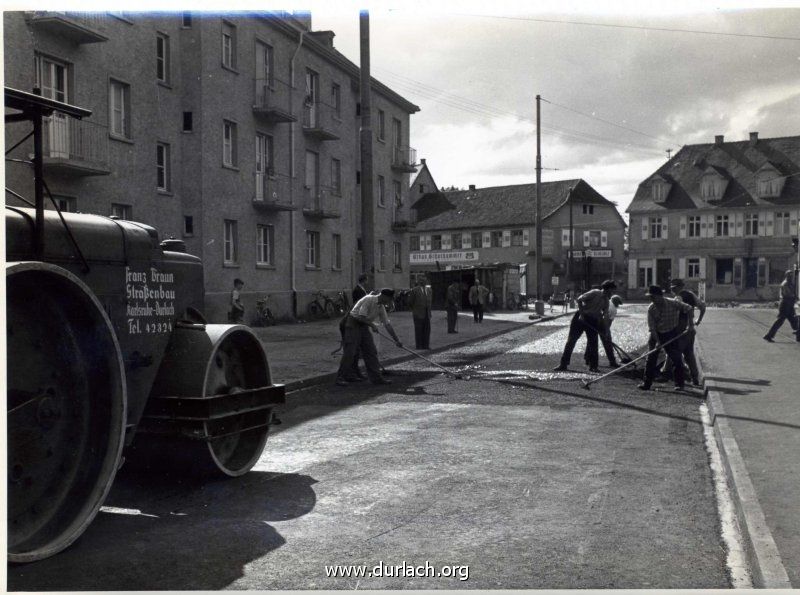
[(720, 215)]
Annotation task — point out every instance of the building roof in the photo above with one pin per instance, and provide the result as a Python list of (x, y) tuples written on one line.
[(737, 162), (423, 167), (500, 206)]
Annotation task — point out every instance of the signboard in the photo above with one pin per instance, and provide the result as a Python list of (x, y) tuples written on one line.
[(443, 257), (594, 253), (547, 242), (554, 281)]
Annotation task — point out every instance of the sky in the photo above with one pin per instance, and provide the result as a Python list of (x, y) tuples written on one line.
[(618, 88)]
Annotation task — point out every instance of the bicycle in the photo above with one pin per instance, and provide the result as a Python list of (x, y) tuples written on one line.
[(321, 306), (264, 316), (341, 303)]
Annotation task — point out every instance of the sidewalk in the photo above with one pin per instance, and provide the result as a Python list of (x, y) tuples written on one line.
[(300, 354), (754, 403)]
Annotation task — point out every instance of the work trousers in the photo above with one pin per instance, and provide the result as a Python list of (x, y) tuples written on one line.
[(576, 328), (477, 312), (422, 332), (353, 371), (358, 340), (785, 312), (452, 318), (608, 344), (673, 351)]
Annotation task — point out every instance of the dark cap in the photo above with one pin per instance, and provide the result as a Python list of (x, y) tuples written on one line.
[(608, 284), (387, 292), (655, 290), (362, 277), (617, 300), (676, 283)]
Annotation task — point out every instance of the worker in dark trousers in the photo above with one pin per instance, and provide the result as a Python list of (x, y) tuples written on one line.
[(687, 343), (788, 296), (605, 333), (363, 318), (590, 317), (359, 291), (663, 321), (452, 303), (419, 302)]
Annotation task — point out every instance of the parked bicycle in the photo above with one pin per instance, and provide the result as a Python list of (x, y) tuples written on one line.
[(321, 306), (264, 316), (342, 303), (516, 302)]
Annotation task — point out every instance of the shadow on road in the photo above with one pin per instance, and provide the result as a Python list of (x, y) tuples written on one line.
[(161, 533)]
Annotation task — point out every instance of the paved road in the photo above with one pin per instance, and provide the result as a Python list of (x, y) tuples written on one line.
[(516, 473)]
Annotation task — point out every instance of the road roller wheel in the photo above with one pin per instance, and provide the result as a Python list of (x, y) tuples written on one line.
[(66, 409)]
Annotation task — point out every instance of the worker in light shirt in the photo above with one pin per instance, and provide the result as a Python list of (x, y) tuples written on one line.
[(589, 319), (605, 332)]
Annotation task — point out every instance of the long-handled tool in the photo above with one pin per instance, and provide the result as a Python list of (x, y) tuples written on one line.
[(586, 384), (624, 356), (422, 357)]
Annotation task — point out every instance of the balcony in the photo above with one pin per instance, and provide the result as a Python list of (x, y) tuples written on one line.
[(272, 193), (320, 121), (78, 27), (321, 203), (404, 159), (76, 147), (401, 221), (272, 101)]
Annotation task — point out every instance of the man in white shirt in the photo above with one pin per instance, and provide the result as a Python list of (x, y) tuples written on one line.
[(365, 316)]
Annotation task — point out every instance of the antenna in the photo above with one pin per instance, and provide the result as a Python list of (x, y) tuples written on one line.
[(669, 154)]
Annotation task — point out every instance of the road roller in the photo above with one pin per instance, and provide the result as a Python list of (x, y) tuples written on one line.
[(111, 361)]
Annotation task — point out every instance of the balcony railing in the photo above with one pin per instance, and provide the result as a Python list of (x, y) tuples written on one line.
[(272, 100), (75, 146), (321, 203), (404, 159), (272, 192), (79, 27), (401, 221), (321, 121)]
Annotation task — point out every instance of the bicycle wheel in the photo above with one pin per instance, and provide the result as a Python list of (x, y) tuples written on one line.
[(314, 310)]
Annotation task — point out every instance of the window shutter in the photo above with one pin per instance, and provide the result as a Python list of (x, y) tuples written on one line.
[(466, 240), (702, 267), (506, 238), (644, 228), (762, 224), (770, 224), (682, 268), (525, 237), (703, 227), (565, 238), (793, 222), (762, 272), (683, 227), (487, 239), (664, 228), (586, 239), (603, 239), (427, 242), (711, 221), (632, 273), (446, 241), (739, 229)]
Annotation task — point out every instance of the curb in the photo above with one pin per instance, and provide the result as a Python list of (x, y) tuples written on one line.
[(330, 377), (762, 553)]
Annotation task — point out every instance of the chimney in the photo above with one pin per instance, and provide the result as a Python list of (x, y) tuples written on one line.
[(324, 37), (753, 138), (422, 162), (472, 186), (719, 139)]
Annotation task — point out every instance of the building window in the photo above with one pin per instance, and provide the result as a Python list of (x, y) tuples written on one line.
[(456, 241), (51, 78), (497, 239), (336, 100), (162, 57), (381, 125), (595, 238), (724, 271), (645, 274), (769, 186), (312, 174), (337, 252), (264, 66), (163, 167), (188, 225), (381, 255), (751, 224), (229, 137), (228, 45), (659, 191), (722, 227), (398, 256), (710, 188), (516, 237), (397, 191), (436, 242), (397, 132), (119, 109), (336, 176), (121, 211), (186, 20), (477, 239), (188, 122), (588, 209), (414, 243), (231, 242), (381, 191), (312, 249), (263, 164), (693, 268), (265, 244), (655, 228), (66, 204), (782, 225), (693, 230)]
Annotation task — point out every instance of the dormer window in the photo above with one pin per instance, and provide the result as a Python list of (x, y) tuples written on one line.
[(769, 181), (710, 188), (660, 189)]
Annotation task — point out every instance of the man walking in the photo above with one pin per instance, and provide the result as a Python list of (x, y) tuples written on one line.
[(686, 344), (788, 296), (478, 294), (419, 303), (236, 314), (663, 321), (590, 317), (360, 290), (364, 317), (452, 305)]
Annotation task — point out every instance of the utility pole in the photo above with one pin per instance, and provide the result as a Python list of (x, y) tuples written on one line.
[(569, 253), (538, 305), (367, 199)]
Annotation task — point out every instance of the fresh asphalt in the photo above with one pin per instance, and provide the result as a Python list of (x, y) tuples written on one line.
[(515, 471)]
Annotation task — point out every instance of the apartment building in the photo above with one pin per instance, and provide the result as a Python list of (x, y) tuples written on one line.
[(495, 227), (238, 134), (721, 215)]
